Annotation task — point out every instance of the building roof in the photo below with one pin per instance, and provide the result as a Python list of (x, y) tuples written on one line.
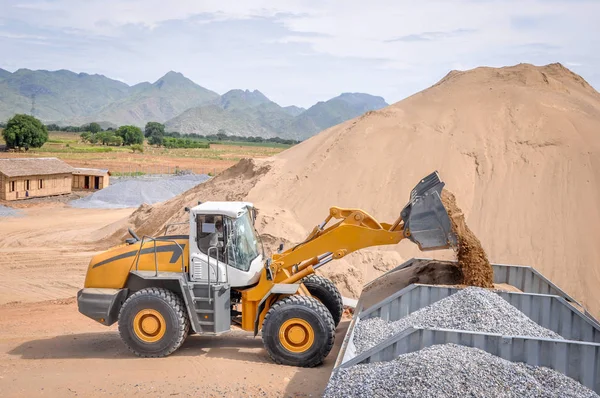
[(21, 167), (90, 172)]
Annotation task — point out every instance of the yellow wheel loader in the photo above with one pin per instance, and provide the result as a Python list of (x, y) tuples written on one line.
[(160, 289)]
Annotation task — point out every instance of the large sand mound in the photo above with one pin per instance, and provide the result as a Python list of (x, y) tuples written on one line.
[(518, 146)]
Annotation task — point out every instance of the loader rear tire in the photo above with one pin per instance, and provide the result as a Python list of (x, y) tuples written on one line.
[(325, 291), (153, 322), (298, 331)]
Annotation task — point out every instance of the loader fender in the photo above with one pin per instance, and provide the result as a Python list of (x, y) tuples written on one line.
[(278, 288), (101, 305)]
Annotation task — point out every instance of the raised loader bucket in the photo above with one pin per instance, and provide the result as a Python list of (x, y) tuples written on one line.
[(426, 220)]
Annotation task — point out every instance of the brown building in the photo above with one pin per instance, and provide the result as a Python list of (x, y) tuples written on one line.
[(91, 179), (33, 177)]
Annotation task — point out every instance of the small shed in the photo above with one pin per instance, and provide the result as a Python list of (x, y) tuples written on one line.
[(23, 178), (90, 179)]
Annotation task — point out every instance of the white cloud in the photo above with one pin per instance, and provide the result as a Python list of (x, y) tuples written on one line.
[(300, 51)]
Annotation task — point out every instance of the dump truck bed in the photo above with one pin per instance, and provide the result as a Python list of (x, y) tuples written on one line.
[(577, 356)]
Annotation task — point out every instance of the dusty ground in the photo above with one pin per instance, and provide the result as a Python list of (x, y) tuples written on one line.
[(44, 254), (48, 349)]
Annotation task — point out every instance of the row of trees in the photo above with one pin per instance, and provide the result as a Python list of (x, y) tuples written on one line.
[(90, 127), (25, 131), (124, 135), (223, 136)]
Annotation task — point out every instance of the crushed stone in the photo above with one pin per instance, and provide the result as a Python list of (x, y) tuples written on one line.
[(133, 192), (9, 212), (472, 309), (451, 370)]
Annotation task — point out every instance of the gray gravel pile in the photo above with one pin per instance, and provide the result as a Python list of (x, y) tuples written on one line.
[(451, 370), (135, 192), (8, 212), (472, 309)]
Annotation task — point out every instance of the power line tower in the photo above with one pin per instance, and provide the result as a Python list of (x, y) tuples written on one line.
[(33, 104)]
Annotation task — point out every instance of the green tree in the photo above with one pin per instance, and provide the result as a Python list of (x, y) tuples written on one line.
[(24, 131), (115, 140), (131, 135), (154, 128), (156, 139), (85, 136), (53, 127), (221, 135), (94, 128)]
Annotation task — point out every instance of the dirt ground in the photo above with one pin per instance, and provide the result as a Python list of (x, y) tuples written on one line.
[(44, 254), (48, 349)]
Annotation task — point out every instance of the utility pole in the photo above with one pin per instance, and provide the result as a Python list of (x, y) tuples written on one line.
[(33, 104)]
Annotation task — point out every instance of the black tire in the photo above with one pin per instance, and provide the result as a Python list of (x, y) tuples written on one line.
[(312, 313), (154, 300), (325, 291)]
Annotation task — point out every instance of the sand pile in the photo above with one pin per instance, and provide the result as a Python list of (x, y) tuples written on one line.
[(518, 146), (231, 185)]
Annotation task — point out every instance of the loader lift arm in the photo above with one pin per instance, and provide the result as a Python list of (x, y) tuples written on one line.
[(423, 220)]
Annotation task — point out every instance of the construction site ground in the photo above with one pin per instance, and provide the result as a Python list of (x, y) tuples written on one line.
[(48, 349)]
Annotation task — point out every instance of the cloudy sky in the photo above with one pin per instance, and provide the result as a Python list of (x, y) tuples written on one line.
[(299, 52)]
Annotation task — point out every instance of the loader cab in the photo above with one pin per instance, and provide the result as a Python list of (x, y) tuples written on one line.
[(224, 245)]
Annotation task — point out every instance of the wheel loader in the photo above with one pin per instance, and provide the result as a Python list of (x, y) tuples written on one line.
[(161, 289)]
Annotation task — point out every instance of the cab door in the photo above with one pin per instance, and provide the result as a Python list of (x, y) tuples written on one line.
[(207, 244)]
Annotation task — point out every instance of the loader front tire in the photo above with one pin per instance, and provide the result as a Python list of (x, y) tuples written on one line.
[(298, 331), (153, 322), (325, 291)]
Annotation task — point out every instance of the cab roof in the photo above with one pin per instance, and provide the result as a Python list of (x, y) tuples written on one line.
[(229, 209)]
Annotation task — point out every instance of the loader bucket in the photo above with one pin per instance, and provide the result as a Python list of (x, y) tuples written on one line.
[(426, 220)]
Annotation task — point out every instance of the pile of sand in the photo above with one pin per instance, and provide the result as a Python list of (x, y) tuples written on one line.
[(518, 146)]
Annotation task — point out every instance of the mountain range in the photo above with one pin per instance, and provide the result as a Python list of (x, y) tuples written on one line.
[(69, 98)]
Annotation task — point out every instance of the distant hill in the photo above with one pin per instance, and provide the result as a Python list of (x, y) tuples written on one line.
[(57, 95), (238, 112), (69, 98), (293, 110), (160, 101), (246, 113), (4, 73), (323, 115)]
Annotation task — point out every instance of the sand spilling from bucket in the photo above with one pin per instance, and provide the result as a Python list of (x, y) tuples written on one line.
[(518, 146), (472, 260)]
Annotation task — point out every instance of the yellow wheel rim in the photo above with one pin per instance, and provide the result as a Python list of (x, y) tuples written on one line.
[(149, 326), (296, 335)]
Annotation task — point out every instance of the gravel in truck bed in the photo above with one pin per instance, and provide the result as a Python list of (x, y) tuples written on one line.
[(451, 370), (471, 309)]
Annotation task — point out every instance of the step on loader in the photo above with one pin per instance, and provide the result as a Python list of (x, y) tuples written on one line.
[(161, 289)]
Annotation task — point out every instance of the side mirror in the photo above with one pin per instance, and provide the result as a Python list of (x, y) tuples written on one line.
[(187, 209), (280, 248)]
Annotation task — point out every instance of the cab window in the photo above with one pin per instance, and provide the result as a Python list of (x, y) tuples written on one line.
[(242, 242), (209, 232)]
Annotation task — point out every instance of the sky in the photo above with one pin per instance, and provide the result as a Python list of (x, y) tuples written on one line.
[(299, 52)]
